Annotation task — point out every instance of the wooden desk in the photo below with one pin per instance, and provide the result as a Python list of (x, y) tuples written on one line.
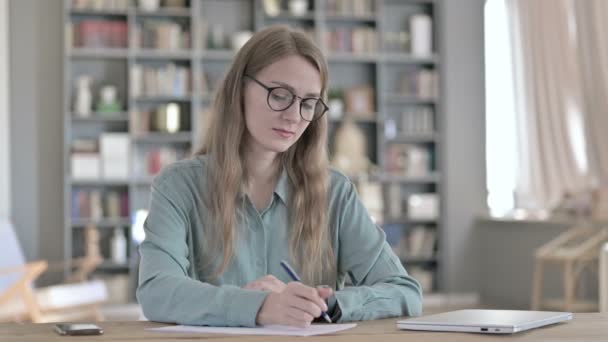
[(584, 327)]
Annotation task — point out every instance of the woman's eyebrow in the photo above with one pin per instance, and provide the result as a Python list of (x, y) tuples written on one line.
[(293, 89)]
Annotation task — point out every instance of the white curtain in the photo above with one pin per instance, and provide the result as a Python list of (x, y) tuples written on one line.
[(592, 25), (4, 112), (552, 102)]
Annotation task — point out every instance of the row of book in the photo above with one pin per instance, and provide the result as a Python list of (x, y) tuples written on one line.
[(169, 80), (357, 40), (150, 162), (97, 33), (350, 7), (104, 158), (420, 83), (98, 204), (417, 242), (166, 118), (412, 160), (162, 34), (416, 120)]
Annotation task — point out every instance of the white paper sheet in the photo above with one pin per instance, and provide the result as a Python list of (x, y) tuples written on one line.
[(281, 330)]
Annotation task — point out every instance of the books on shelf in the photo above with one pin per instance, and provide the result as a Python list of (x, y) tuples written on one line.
[(162, 34), (420, 243), (97, 204), (420, 83), (350, 7), (423, 206), (85, 161), (408, 160), (166, 118), (356, 40), (114, 148), (98, 33), (417, 120), (169, 80)]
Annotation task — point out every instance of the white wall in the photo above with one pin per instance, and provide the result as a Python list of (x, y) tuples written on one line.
[(4, 113)]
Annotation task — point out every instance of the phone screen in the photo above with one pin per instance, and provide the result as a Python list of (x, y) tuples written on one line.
[(78, 329)]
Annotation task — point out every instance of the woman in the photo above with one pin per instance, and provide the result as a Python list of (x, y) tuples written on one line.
[(260, 192)]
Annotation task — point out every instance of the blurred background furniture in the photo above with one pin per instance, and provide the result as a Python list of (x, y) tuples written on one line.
[(576, 250), (604, 278), (75, 299)]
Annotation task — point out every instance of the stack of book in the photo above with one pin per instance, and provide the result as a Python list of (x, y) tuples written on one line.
[(85, 160), (417, 120), (350, 7), (353, 40), (166, 35), (98, 33), (170, 80), (420, 83), (408, 160), (95, 204), (115, 151)]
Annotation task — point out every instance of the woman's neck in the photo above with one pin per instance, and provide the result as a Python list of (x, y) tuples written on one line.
[(262, 167)]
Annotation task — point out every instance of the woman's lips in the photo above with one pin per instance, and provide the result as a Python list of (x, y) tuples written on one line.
[(283, 133)]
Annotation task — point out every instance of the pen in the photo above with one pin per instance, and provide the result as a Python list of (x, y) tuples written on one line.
[(295, 277)]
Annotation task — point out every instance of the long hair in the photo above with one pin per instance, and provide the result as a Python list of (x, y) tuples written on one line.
[(306, 162)]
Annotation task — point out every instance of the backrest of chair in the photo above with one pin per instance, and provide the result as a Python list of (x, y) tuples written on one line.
[(11, 255)]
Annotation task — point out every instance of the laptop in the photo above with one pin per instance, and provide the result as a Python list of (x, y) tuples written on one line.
[(484, 321)]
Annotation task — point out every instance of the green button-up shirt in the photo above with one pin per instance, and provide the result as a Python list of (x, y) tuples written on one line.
[(172, 288)]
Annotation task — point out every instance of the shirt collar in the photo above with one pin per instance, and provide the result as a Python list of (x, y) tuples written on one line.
[(282, 188)]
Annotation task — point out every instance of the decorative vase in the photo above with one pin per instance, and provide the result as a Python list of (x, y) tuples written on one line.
[(298, 8), (84, 98)]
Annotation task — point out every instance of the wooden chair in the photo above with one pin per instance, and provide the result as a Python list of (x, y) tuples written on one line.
[(75, 299), (576, 249)]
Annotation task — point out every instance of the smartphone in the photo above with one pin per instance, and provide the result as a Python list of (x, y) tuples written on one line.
[(80, 329)]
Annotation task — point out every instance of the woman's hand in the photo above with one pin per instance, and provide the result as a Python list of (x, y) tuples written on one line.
[(297, 305), (267, 283)]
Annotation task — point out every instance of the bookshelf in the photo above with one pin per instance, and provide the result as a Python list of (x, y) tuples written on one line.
[(137, 52)]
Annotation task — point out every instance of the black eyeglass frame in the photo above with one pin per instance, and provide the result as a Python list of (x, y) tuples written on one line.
[(293, 99)]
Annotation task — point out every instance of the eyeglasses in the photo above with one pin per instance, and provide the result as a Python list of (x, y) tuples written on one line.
[(281, 98)]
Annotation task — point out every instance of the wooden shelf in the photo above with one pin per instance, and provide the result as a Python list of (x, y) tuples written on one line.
[(342, 18), (163, 98), (290, 17), (94, 12), (163, 54), (97, 117), (372, 120), (412, 100), (101, 53), (98, 182), (166, 12), (414, 138), (397, 57), (219, 55), (155, 137), (107, 222), (352, 57)]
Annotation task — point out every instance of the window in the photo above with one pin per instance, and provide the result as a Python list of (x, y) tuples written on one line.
[(501, 144)]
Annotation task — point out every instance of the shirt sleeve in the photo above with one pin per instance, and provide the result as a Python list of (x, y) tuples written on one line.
[(381, 286), (166, 292)]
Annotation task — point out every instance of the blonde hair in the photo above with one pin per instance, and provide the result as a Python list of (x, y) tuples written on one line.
[(306, 162)]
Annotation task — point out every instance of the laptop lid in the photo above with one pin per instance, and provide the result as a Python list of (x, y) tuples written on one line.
[(484, 321)]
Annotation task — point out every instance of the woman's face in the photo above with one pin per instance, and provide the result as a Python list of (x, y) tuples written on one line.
[(271, 130)]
